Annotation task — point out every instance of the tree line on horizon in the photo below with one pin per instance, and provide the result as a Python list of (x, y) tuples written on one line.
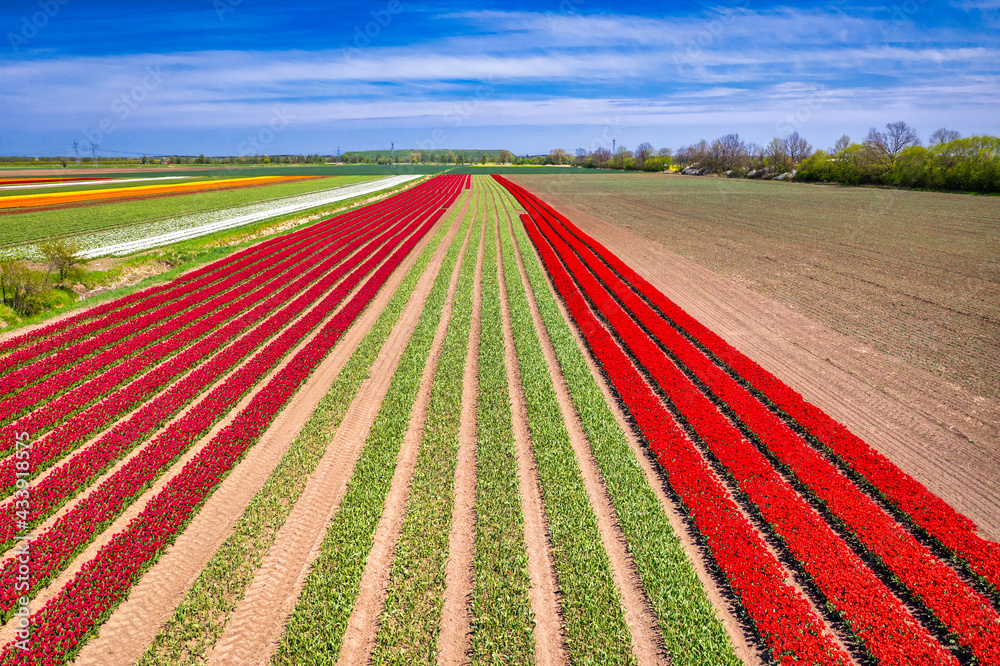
[(894, 156)]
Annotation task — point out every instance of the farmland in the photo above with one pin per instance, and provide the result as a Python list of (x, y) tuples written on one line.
[(472, 422), (912, 274), (21, 226)]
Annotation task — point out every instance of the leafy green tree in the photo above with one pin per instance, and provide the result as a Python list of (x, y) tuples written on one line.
[(22, 289), (62, 256)]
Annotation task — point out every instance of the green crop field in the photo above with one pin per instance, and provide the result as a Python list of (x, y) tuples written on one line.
[(26, 227)]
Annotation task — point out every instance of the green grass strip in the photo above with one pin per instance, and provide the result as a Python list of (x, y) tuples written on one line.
[(411, 620), (315, 632), (502, 620), (595, 620), (691, 630), (199, 620)]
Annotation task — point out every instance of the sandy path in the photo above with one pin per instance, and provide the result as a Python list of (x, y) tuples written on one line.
[(647, 644), (747, 647), (455, 640), (151, 601), (362, 627), (179, 377), (137, 505), (192, 405), (252, 633), (932, 429), (544, 592)]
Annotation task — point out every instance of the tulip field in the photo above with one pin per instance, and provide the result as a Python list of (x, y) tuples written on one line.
[(451, 427)]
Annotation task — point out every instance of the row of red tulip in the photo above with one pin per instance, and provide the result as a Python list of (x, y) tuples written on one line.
[(66, 480), (144, 300), (219, 268), (876, 617), (40, 419), (962, 611), (780, 614), (43, 342), (81, 426), (101, 583), (926, 511), (125, 326), (98, 351)]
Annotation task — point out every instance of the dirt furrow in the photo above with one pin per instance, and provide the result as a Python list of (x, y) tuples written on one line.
[(932, 429), (133, 625), (454, 642), (647, 643), (258, 621), (747, 646), (550, 648), (362, 627)]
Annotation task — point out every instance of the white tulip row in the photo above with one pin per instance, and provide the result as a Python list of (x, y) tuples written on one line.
[(145, 236)]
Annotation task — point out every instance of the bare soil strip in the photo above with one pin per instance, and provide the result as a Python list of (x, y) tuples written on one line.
[(748, 649), (258, 621), (455, 640), (151, 602), (647, 643), (139, 503), (362, 627), (932, 429), (747, 646), (550, 647), (183, 412)]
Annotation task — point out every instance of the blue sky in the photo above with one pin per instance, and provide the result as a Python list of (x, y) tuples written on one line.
[(225, 77)]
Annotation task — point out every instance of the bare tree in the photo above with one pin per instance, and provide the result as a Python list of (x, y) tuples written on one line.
[(642, 153), (755, 156), (601, 157), (727, 152), (842, 143), (944, 135), (696, 154), (887, 145), (664, 152), (797, 148), (776, 156)]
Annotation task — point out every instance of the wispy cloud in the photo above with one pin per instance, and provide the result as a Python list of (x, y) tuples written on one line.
[(716, 69)]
